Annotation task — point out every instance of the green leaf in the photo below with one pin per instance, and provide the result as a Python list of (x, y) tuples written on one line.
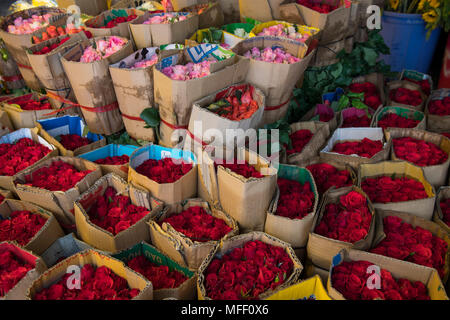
[(343, 102), (151, 117), (370, 56), (356, 95)]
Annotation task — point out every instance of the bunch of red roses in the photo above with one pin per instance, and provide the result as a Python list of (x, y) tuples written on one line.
[(296, 201), (96, 284), (19, 155), (73, 141), (12, 270), (417, 245), (406, 96), (118, 20), (356, 122), (115, 213), (1, 198), (365, 148), (52, 47), (318, 6), (440, 107), (371, 95), (424, 84), (244, 169), (419, 152), (245, 273), (196, 224), (114, 161), (27, 103), (387, 189), (445, 208), (160, 276), (327, 176), (164, 170), (21, 226), (299, 140), (349, 220), (391, 120), (350, 279), (325, 117), (446, 134), (59, 176)]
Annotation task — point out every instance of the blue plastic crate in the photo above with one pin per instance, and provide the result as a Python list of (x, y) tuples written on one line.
[(110, 150), (157, 152)]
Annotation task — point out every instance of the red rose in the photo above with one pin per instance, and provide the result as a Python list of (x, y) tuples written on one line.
[(114, 161), (296, 200), (419, 152), (73, 141), (299, 140), (365, 148), (440, 107), (164, 170), (391, 120), (406, 96)]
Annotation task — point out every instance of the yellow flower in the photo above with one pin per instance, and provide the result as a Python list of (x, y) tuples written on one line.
[(430, 16), (434, 3), (421, 4), (394, 4)]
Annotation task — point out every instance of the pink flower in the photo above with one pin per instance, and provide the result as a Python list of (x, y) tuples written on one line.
[(104, 48), (269, 54)]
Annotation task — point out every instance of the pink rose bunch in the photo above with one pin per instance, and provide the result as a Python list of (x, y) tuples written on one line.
[(27, 26), (103, 49), (188, 71), (273, 55), (166, 18), (145, 63), (279, 30)]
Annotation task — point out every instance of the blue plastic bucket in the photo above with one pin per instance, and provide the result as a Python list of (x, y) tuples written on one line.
[(406, 35)]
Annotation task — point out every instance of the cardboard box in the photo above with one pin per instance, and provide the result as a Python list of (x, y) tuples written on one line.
[(176, 245), (134, 91), (422, 207), (93, 87), (312, 271), (18, 292), (239, 241), (210, 14), (416, 75), (95, 24), (438, 217), (148, 35), (304, 290), (321, 249), (355, 134), (111, 150), (230, 10), (199, 37), (6, 194), (185, 291), (408, 85), (60, 203), (402, 112), (293, 231), (63, 248), (51, 128), (6, 182), (436, 175), (89, 7), (5, 124), (398, 269), (169, 193), (97, 259), (10, 71), (48, 233), (327, 54), (437, 123), (128, 4), (260, 10), (314, 115)]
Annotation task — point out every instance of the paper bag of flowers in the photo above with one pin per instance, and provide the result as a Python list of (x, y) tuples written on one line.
[(238, 107), (17, 31), (112, 158), (406, 237), (188, 231), (24, 111), (442, 209), (5, 194), (358, 275), (98, 271), (56, 183), (346, 219), (9, 70), (18, 151), (403, 93), (356, 118), (155, 29), (70, 135), (399, 117), (133, 83), (257, 264), (169, 279), (331, 17), (170, 175), (437, 111), (188, 76), (355, 146), (423, 80), (87, 67), (286, 30), (30, 226), (5, 123), (372, 85), (322, 113), (18, 269), (210, 14), (112, 215), (63, 248), (424, 149), (276, 64), (309, 289), (398, 186), (260, 10), (113, 22), (292, 210), (143, 5)]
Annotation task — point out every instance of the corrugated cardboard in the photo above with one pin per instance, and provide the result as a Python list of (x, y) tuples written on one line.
[(6, 182), (314, 114), (355, 134), (60, 203), (95, 24), (5, 124), (179, 247), (185, 291), (312, 287), (148, 35), (89, 7), (437, 174), (19, 291), (239, 241), (398, 269), (97, 259), (49, 232), (312, 271), (443, 194), (211, 15), (260, 10), (6, 194), (169, 193), (93, 87), (400, 111), (320, 249), (134, 91), (408, 85), (101, 238), (435, 122), (293, 231), (63, 248), (422, 208)]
